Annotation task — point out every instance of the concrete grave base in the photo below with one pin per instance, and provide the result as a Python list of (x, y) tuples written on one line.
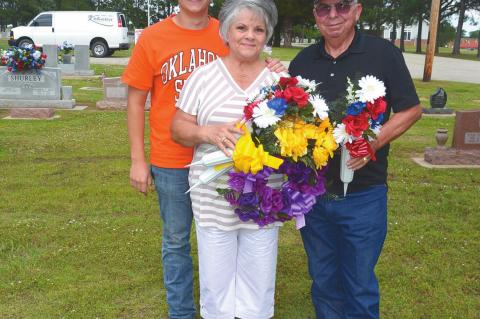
[(421, 161), (58, 104), (117, 105), (29, 113), (437, 111), (451, 156)]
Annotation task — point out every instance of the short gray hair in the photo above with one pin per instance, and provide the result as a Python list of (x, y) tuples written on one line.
[(265, 9), (315, 2)]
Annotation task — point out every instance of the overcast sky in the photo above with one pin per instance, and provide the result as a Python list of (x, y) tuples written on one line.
[(468, 25)]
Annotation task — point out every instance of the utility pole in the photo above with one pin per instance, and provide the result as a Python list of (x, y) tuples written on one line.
[(148, 13), (434, 16)]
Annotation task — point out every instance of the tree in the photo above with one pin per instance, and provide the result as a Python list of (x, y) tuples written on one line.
[(458, 33), (290, 13), (374, 15), (446, 33)]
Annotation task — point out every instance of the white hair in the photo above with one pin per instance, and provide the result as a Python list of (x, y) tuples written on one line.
[(265, 9)]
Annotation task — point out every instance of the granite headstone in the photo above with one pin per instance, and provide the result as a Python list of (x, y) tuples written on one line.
[(32, 88), (465, 148), (115, 94)]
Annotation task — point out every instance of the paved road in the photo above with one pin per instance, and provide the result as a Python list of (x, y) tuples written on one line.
[(447, 69)]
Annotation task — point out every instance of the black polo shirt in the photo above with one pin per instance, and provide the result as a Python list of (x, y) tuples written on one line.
[(367, 55)]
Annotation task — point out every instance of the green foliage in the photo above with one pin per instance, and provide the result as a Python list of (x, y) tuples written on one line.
[(474, 34), (446, 33)]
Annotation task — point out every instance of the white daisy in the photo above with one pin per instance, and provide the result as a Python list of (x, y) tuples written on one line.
[(320, 107), (309, 85), (370, 89), (36, 55), (340, 134), (376, 130), (264, 116)]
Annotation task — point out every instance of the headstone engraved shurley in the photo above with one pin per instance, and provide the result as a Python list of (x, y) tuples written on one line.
[(33, 89), (438, 101), (115, 94), (465, 148)]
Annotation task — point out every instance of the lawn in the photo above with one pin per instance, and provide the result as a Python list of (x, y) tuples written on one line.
[(78, 242), (287, 54)]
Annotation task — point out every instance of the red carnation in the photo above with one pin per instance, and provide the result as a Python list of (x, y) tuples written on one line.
[(248, 109), (376, 108), (356, 124), (279, 94), (288, 82), (296, 94), (360, 148)]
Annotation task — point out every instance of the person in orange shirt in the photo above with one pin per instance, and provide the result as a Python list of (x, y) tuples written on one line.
[(165, 55)]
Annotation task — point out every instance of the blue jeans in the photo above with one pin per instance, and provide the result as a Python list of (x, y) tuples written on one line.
[(176, 212), (343, 239)]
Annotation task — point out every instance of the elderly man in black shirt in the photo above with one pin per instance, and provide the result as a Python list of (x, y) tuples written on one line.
[(345, 234)]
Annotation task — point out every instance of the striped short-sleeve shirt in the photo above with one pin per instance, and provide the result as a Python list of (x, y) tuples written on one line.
[(212, 95)]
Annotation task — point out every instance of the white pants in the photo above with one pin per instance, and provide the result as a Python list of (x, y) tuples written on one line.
[(237, 272)]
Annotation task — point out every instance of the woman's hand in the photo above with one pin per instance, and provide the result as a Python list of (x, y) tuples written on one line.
[(223, 136)]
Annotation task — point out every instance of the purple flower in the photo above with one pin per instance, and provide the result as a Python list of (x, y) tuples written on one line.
[(242, 215), (248, 199), (231, 198), (266, 199), (237, 181), (277, 201)]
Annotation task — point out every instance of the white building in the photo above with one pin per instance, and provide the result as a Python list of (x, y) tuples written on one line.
[(410, 31)]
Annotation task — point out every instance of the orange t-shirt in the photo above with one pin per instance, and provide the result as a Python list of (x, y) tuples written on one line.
[(162, 60)]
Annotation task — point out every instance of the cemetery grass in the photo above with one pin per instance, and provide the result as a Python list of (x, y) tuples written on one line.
[(3, 43), (287, 54), (78, 242)]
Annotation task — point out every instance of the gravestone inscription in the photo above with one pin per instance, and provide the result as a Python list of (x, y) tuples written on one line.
[(33, 88), (467, 130)]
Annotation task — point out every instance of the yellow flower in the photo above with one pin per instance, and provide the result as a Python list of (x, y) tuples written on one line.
[(320, 156), (293, 142), (249, 158), (323, 149)]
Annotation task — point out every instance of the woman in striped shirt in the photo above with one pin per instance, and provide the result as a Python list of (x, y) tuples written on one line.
[(237, 260)]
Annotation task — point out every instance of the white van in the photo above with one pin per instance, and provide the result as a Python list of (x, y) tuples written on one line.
[(103, 31)]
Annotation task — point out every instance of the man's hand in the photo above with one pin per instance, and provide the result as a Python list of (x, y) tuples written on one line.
[(140, 177), (274, 65)]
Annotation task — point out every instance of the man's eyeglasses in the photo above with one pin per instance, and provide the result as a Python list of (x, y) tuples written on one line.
[(343, 7)]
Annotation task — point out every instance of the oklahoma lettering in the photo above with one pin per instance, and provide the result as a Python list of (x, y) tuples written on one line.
[(179, 66)]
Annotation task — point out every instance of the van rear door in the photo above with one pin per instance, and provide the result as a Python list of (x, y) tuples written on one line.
[(41, 29), (122, 23)]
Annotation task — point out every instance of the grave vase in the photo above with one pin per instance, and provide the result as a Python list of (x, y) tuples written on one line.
[(441, 136), (67, 58)]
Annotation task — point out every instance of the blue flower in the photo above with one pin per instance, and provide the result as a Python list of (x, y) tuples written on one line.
[(355, 108), (279, 105), (377, 122)]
